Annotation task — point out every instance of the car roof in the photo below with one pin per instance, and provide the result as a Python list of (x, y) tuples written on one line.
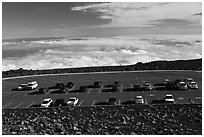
[(189, 79), (138, 97), (182, 82), (32, 82), (47, 99), (73, 98), (168, 95)]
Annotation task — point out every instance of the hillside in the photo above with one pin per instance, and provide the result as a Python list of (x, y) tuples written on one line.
[(195, 64)]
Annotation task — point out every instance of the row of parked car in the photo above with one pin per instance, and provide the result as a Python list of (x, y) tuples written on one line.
[(73, 101), (177, 84), (185, 84), (59, 102)]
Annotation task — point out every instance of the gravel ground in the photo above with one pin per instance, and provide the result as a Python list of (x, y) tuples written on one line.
[(178, 119)]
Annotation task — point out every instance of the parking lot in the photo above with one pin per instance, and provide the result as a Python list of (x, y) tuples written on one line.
[(21, 99)]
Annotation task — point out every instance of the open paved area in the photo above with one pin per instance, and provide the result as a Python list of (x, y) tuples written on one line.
[(21, 99)]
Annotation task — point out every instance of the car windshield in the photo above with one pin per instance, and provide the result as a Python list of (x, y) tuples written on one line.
[(138, 97), (193, 83), (71, 99), (45, 102), (168, 97), (183, 84), (30, 84)]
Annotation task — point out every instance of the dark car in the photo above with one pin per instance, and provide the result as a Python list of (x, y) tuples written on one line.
[(97, 84), (115, 88), (60, 102), (70, 85), (83, 89), (116, 83), (112, 101), (43, 90), (59, 85)]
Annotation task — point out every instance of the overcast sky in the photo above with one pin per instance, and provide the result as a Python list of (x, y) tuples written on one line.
[(100, 19)]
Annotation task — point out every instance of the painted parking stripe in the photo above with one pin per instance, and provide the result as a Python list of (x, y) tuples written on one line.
[(30, 104), (100, 89), (71, 88), (180, 98), (7, 105), (80, 103), (93, 103), (8, 94), (119, 102), (121, 88), (146, 101), (198, 98), (18, 105), (17, 94), (89, 91)]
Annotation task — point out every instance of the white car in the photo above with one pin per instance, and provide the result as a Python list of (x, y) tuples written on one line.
[(169, 98), (72, 101), (22, 87), (148, 86), (192, 85), (188, 80), (47, 102), (139, 100), (182, 85), (32, 85)]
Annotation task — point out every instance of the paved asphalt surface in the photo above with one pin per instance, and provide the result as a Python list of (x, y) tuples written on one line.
[(21, 99)]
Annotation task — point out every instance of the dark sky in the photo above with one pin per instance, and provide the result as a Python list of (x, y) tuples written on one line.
[(36, 19)]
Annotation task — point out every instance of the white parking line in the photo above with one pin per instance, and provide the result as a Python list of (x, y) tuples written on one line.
[(121, 88), (180, 97), (18, 105), (145, 101), (16, 95), (72, 88), (7, 94), (80, 103), (89, 91), (93, 103), (100, 89), (119, 102), (198, 98), (30, 104), (7, 105)]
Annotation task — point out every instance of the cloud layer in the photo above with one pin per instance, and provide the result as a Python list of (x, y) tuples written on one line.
[(66, 53), (144, 14)]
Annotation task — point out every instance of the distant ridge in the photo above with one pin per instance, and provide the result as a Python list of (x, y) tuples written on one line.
[(194, 64)]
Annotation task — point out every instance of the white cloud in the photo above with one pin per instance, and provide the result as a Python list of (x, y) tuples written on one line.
[(144, 14), (106, 52)]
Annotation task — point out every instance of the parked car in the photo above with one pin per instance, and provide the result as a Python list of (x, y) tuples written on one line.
[(189, 80), (22, 87), (47, 102), (83, 88), (192, 85), (139, 100), (116, 83), (148, 86), (112, 101), (115, 88), (72, 101), (70, 85), (169, 98), (43, 90), (59, 85), (59, 102), (32, 85), (182, 85), (97, 84)]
